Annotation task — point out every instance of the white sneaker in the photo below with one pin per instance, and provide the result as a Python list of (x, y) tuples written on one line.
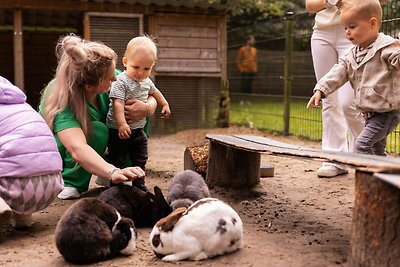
[(330, 171), (102, 181), (5, 212), (69, 193)]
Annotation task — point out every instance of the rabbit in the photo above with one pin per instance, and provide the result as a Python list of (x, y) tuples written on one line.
[(209, 227), (143, 208), (91, 231), (186, 187)]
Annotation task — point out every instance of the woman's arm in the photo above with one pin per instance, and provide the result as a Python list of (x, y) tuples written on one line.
[(314, 6), (75, 142), (136, 110)]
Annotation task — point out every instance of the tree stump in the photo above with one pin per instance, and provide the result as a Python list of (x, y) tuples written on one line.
[(232, 167), (375, 238)]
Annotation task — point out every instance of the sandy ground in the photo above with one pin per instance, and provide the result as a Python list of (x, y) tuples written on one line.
[(291, 219)]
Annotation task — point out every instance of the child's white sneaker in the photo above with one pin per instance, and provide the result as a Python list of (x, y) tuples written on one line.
[(69, 193)]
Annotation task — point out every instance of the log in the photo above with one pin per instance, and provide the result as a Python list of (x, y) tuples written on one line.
[(232, 167), (195, 159), (375, 238)]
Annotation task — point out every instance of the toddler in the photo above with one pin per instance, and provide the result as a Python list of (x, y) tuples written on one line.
[(133, 83), (372, 67)]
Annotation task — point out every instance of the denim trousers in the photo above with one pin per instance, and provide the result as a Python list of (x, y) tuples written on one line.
[(378, 126)]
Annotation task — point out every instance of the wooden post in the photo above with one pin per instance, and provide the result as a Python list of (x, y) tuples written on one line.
[(288, 71), (375, 238), (18, 50), (231, 167), (224, 106)]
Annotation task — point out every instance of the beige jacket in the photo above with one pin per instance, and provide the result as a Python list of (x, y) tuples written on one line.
[(376, 80)]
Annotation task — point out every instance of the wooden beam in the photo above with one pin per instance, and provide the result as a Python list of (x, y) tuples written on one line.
[(74, 6), (86, 6), (18, 50)]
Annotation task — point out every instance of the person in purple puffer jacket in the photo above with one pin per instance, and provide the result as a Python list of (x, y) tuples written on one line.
[(30, 164)]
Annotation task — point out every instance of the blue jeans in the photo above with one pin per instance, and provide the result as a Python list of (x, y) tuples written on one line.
[(378, 126)]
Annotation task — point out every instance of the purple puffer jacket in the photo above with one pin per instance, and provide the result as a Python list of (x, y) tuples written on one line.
[(27, 145)]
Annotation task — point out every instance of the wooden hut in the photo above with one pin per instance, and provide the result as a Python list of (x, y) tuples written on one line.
[(191, 37)]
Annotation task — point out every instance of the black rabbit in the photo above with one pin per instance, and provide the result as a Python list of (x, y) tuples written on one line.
[(91, 231), (144, 208)]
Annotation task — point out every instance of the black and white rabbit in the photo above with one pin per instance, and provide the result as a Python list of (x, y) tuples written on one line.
[(91, 231), (185, 188), (209, 227), (144, 208)]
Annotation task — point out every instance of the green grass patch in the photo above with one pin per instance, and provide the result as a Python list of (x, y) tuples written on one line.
[(266, 113)]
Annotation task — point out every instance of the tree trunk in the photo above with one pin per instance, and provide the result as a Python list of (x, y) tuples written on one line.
[(232, 167), (375, 238)]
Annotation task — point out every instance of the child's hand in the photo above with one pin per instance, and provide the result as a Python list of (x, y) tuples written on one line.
[(165, 112), (124, 132), (315, 100)]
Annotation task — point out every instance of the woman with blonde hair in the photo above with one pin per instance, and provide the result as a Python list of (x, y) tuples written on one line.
[(75, 105)]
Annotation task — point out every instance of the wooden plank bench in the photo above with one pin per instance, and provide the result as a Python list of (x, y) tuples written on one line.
[(234, 161)]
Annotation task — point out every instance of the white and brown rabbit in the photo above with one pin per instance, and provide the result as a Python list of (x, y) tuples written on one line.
[(209, 227), (91, 231), (144, 208), (185, 188)]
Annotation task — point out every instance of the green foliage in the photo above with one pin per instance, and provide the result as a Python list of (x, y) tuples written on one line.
[(245, 12)]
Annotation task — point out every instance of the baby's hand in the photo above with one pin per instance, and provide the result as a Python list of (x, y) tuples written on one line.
[(315, 100), (165, 112), (124, 132)]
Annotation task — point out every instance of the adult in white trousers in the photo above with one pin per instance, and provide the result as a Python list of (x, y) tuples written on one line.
[(341, 122)]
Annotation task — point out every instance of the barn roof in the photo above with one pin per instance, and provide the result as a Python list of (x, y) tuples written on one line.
[(63, 13), (175, 3)]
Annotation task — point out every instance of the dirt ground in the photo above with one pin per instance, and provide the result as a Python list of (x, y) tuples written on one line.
[(291, 219)]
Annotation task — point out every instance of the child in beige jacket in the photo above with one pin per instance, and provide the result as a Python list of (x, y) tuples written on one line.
[(373, 68)]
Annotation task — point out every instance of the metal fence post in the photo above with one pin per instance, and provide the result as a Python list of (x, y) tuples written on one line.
[(288, 70)]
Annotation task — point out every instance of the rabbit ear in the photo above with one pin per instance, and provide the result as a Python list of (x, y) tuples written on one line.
[(167, 224)]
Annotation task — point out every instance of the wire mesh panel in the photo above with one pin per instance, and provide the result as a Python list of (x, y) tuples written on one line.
[(263, 108), (193, 102), (115, 30)]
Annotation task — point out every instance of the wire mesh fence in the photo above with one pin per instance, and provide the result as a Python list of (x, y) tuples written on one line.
[(264, 107)]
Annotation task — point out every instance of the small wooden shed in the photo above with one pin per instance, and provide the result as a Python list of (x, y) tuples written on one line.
[(191, 37)]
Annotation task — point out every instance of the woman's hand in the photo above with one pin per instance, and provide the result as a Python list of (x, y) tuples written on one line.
[(126, 174), (136, 110)]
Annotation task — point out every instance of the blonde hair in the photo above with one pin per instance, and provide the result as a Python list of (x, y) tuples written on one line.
[(365, 9), (141, 43), (80, 63)]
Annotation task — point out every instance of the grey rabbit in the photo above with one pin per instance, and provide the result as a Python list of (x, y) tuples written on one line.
[(185, 188), (92, 231), (144, 208)]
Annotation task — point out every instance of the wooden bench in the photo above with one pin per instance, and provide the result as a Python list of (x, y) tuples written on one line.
[(234, 161)]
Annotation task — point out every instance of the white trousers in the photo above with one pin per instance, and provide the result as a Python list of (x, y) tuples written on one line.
[(341, 123)]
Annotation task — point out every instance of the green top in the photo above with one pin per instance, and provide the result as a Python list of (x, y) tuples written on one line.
[(66, 118)]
